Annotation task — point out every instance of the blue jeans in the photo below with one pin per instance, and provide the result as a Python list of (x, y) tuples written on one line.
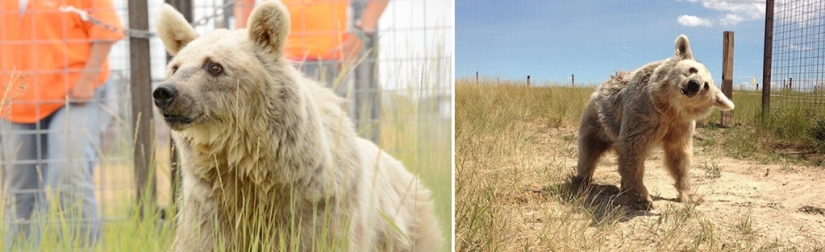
[(327, 72), (57, 153)]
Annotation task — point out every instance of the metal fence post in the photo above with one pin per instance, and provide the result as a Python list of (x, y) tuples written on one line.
[(367, 94)]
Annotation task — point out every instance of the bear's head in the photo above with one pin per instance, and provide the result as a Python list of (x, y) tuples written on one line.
[(691, 83), (225, 77)]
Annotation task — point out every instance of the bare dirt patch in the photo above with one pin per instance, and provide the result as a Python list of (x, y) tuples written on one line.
[(748, 205)]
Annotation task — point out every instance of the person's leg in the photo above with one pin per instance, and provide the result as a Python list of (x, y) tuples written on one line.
[(22, 149), (74, 138), (344, 83)]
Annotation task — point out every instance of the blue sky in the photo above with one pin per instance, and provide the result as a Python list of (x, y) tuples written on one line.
[(549, 40)]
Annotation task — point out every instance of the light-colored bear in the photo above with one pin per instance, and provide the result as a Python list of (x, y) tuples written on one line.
[(270, 161), (655, 105)]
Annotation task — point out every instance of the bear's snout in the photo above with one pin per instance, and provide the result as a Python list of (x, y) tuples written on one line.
[(692, 88), (164, 95)]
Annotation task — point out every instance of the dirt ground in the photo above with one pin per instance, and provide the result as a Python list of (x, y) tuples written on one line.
[(765, 203)]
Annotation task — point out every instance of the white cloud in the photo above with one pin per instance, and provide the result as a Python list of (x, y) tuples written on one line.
[(731, 19), (800, 47), (747, 9), (733, 11), (689, 20)]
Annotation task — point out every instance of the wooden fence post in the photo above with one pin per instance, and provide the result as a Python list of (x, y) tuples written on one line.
[(141, 91), (766, 59), (790, 84), (573, 80), (476, 77), (528, 80), (727, 74)]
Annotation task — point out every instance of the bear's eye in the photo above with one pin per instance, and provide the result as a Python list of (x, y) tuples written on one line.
[(215, 69), (706, 86), (693, 70), (174, 69)]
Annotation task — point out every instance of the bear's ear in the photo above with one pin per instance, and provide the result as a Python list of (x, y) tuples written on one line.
[(683, 47), (173, 29), (269, 26), (722, 102)]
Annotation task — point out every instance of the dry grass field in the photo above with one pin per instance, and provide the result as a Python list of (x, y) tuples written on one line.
[(517, 145)]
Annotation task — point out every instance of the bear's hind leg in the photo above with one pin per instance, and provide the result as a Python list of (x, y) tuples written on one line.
[(591, 149)]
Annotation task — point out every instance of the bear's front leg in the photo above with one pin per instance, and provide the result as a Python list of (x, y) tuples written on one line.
[(196, 218), (632, 149), (631, 168), (678, 148), (193, 234)]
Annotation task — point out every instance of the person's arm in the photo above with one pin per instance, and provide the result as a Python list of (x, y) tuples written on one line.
[(102, 39), (353, 45), (372, 13), (83, 90)]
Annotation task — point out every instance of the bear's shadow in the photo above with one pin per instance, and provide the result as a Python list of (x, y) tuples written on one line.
[(603, 203)]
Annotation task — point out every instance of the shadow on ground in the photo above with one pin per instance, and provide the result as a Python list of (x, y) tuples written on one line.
[(605, 204)]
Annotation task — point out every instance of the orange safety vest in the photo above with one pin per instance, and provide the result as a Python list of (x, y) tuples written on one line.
[(48, 49), (318, 28)]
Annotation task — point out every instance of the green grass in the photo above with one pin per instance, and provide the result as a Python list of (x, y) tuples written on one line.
[(796, 131)]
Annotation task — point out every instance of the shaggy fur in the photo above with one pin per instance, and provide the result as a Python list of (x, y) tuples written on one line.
[(269, 157), (655, 105)]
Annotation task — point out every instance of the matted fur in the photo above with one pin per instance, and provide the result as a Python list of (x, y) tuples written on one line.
[(269, 157), (655, 105)]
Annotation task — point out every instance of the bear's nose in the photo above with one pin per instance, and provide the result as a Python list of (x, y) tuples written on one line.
[(164, 95), (693, 86)]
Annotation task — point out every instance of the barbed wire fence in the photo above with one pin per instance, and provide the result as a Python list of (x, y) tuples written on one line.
[(404, 81), (795, 59)]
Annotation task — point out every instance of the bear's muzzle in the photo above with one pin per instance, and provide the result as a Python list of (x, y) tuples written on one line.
[(176, 108), (692, 88), (164, 95)]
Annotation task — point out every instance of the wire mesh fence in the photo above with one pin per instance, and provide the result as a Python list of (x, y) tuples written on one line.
[(400, 93), (798, 63)]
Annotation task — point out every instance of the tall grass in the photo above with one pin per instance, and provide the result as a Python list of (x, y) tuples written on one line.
[(409, 132), (489, 136), (798, 132)]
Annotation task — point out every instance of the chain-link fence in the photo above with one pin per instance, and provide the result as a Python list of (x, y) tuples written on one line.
[(400, 94), (798, 60)]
